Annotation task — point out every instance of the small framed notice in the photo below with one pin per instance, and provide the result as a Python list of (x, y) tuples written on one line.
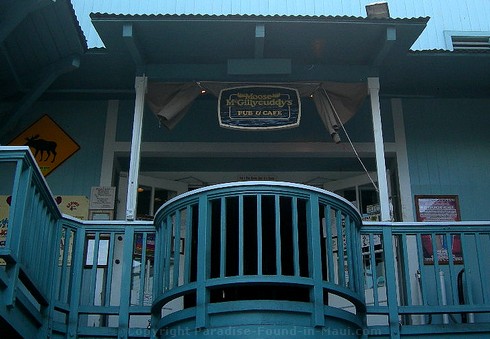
[(439, 208), (102, 198)]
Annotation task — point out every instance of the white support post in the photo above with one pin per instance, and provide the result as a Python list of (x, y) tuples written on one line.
[(384, 201), (402, 161), (134, 164)]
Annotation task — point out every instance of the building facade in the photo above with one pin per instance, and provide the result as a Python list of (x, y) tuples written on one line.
[(129, 106)]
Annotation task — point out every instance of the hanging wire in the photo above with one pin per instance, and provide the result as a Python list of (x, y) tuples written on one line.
[(350, 141)]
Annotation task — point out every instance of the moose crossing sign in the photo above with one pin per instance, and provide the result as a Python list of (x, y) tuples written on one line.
[(50, 145)]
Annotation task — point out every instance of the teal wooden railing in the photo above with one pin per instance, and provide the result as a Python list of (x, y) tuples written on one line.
[(61, 277), (29, 246), (270, 250), (427, 278), (278, 253), (104, 279)]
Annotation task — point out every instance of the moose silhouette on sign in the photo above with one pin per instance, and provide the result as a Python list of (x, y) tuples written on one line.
[(41, 145)]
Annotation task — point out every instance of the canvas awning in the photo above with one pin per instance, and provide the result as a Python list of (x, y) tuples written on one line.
[(335, 102)]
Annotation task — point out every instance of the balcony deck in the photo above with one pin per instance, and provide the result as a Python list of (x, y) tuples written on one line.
[(328, 276)]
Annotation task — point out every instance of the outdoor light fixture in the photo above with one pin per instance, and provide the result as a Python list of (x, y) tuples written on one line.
[(378, 10)]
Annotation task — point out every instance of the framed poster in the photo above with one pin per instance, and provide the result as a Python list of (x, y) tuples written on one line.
[(439, 208)]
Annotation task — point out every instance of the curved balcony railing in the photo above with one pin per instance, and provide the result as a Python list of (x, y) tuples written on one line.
[(258, 256)]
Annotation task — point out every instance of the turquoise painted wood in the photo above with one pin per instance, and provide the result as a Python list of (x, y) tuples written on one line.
[(438, 280), (75, 118), (431, 151), (209, 267), (261, 247)]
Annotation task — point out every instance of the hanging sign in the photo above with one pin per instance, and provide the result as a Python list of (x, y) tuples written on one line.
[(48, 142), (259, 107)]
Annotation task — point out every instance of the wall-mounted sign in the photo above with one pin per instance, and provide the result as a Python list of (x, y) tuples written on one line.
[(102, 198), (259, 107), (50, 145), (439, 208), (74, 205)]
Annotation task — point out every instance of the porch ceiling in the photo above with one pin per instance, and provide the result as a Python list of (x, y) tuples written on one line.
[(306, 40), (300, 48), (38, 40)]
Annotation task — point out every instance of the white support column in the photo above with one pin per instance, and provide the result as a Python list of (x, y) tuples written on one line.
[(134, 164), (402, 161), (384, 201)]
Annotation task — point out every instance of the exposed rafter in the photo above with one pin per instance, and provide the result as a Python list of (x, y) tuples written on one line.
[(11, 66), (259, 40), (48, 75), (387, 43), (19, 10), (132, 44)]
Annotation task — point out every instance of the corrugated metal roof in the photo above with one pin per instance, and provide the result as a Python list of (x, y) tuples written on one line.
[(256, 17), (305, 40), (445, 14)]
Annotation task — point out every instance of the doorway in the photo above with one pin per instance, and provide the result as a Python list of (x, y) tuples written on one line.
[(153, 192)]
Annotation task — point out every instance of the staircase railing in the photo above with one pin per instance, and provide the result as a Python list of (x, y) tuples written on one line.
[(29, 238), (271, 249)]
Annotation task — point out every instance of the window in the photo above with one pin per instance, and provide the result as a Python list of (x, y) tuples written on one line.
[(468, 41)]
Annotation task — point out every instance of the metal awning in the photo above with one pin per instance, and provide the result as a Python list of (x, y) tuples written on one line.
[(176, 47)]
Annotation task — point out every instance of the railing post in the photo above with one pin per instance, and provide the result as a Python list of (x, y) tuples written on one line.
[(23, 176), (157, 277), (56, 284), (203, 255), (125, 283), (391, 284), (74, 299), (316, 264)]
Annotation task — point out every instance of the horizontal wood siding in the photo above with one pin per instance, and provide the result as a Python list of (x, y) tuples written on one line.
[(448, 147), (84, 122)]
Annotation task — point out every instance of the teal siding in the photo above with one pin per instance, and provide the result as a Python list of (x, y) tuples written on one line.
[(449, 150), (125, 120), (84, 122), (453, 15)]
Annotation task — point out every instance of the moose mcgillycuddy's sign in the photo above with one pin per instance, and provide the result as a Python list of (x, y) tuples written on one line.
[(259, 107), (48, 142)]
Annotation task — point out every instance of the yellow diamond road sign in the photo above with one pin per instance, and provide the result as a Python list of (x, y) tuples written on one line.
[(48, 142)]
